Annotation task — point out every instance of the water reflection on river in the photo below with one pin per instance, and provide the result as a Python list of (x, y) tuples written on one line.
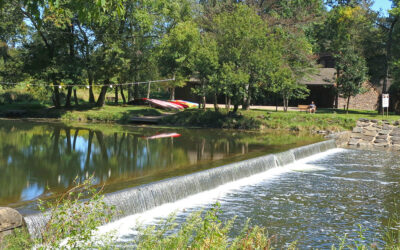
[(34, 156)]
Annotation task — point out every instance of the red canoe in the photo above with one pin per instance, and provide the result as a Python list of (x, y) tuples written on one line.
[(164, 135), (164, 104), (178, 103)]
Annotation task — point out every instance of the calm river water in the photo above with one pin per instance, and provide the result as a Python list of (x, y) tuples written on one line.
[(38, 159)]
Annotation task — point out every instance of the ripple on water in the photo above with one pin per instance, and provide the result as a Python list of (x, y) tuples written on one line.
[(315, 203)]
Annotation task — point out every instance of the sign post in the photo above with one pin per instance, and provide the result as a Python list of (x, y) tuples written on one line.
[(385, 104)]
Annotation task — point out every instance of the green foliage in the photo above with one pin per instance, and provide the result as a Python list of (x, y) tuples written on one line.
[(201, 231), (177, 49), (72, 221), (212, 119), (352, 73)]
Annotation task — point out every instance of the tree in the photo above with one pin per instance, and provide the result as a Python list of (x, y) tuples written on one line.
[(392, 69), (205, 64), (352, 71), (240, 34), (347, 28), (177, 48), (12, 31)]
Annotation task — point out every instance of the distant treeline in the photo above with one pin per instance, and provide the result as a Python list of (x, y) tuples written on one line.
[(243, 50)]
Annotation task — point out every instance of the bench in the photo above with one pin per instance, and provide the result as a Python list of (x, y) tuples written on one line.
[(303, 107)]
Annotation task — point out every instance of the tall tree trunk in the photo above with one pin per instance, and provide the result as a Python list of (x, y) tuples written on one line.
[(102, 145), (91, 95), (68, 137), (348, 103), (247, 99), (75, 137), (235, 108), (136, 91), (116, 94), (172, 93), (227, 103), (148, 89), (136, 87), (122, 94), (89, 149), (72, 61), (130, 92), (68, 98), (246, 103), (76, 98), (102, 96), (56, 97), (388, 58), (56, 135), (216, 108), (337, 89), (203, 97), (285, 102)]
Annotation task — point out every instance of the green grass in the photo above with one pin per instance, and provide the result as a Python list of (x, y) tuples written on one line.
[(324, 119), (328, 119), (85, 112), (109, 113)]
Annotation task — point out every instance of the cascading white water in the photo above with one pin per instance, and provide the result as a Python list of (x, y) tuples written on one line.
[(139, 199)]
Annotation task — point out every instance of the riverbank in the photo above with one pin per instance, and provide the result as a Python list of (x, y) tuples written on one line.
[(256, 119)]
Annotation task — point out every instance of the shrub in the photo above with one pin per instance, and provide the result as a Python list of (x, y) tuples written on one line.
[(72, 221), (201, 233)]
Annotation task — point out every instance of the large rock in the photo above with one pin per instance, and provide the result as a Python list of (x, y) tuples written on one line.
[(371, 128), (356, 135), (381, 141), (396, 129), (10, 219), (395, 139), (369, 133), (357, 130), (382, 137), (395, 133), (362, 124), (354, 141), (367, 138), (387, 127), (363, 120), (384, 132), (381, 144)]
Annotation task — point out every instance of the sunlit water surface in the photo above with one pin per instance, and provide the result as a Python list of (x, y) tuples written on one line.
[(40, 160), (313, 202)]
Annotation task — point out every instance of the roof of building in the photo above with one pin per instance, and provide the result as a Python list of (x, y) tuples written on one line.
[(324, 76)]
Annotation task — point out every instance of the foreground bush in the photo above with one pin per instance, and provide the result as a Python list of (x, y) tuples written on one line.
[(72, 222), (201, 233)]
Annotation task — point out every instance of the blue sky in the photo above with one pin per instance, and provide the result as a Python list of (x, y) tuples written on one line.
[(385, 5)]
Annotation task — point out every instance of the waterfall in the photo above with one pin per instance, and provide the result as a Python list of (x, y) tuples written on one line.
[(139, 199)]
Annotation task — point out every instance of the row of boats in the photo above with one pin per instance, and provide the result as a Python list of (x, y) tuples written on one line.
[(171, 104)]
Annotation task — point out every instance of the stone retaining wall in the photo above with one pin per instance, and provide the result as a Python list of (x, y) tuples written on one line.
[(374, 133)]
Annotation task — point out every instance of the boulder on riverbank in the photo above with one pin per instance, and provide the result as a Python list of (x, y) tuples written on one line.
[(10, 219)]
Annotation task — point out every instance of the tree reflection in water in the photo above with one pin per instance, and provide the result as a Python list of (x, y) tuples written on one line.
[(34, 156)]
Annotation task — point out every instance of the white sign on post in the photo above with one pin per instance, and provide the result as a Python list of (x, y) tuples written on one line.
[(385, 100)]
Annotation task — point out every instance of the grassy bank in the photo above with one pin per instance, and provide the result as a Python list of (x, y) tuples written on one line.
[(324, 119), (332, 120), (86, 112)]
